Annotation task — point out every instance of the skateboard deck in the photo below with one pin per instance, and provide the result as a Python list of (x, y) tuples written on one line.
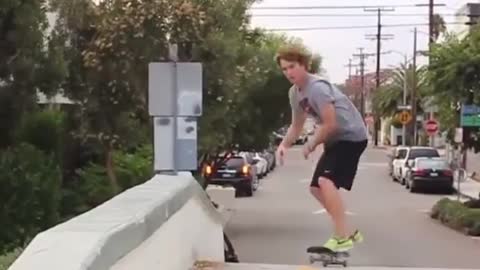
[(327, 256)]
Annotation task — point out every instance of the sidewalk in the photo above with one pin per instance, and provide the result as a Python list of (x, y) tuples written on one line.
[(469, 188)]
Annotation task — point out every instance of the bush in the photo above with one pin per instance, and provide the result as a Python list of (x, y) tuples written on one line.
[(7, 259), (458, 215), (131, 169), (44, 130), (29, 196)]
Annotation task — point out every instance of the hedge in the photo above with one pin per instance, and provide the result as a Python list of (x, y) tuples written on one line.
[(459, 216)]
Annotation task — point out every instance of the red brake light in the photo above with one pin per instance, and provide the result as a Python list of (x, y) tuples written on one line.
[(447, 172), (420, 172), (245, 169)]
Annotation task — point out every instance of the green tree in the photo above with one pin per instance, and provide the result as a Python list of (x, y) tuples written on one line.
[(454, 77), (390, 96), (28, 62)]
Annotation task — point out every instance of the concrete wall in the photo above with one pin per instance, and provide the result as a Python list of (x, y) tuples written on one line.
[(165, 223)]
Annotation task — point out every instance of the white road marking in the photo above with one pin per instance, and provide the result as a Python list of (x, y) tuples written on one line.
[(323, 211), (318, 212), (373, 164)]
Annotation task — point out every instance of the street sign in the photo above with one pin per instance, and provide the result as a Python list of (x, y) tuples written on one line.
[(470, 116), (404, 117), (175, 102), (431, 127)]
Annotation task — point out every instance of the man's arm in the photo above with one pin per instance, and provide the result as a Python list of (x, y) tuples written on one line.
[(325, 101), (298, 120)]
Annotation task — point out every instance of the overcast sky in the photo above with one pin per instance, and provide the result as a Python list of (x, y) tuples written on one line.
[(336, 46)]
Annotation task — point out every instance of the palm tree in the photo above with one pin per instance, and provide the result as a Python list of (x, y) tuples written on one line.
[(387, 99)]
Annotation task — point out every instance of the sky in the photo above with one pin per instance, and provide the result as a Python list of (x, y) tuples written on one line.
[(337, 46)]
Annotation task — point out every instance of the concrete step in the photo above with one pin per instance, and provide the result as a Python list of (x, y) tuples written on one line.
[(250, 266)]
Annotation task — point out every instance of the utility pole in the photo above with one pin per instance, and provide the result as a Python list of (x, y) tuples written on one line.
[(362, 57), (414, 88), (430, 15), (379, 38), (349, 88)]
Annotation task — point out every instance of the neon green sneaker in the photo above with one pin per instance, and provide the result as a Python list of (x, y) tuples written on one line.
[(357, 237), (338, 244)]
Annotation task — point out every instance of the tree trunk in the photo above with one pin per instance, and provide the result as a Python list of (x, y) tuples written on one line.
[(110, 166)]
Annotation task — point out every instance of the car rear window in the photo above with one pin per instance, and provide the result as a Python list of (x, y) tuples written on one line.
[(414, 153), (432, 164), (235, 162)]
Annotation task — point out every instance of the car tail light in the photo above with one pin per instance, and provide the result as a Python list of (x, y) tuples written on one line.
[(420, 172), (447, 172), (245, 169), (208, 170)]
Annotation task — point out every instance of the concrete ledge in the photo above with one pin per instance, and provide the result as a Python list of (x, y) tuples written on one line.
[(99, 238)]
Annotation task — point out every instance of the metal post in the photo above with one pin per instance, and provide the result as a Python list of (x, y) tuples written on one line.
[(414, 88), (174, 58), (404, 127)]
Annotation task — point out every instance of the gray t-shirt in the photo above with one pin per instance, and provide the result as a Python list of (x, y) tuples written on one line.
[(319, 92)]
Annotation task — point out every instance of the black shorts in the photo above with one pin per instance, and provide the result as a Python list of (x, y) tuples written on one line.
[(339, 163)]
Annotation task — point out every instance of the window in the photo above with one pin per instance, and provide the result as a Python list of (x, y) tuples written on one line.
[(414, 153), (402, 153), (433, 164), (235, 162)]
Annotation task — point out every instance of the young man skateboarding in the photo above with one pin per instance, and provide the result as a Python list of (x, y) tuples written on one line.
[(341, 130)]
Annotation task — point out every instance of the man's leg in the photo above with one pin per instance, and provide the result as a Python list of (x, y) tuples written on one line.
[(333, 203)]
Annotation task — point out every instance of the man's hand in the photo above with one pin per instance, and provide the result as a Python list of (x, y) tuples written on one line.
[(281, 153)]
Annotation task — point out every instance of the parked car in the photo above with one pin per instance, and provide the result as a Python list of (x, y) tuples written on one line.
[(412, 153), (397, 154), (262, 164), (398, 157), (270, 158), (235, 171), (427, 172)]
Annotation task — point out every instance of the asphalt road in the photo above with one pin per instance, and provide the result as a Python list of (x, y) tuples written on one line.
[(281, 220)]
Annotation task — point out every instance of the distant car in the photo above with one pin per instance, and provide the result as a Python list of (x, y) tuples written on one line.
[(429, 173), (413, 153), (262, 164), (398, 157), (397, 154), (270, 157), (237, 172)]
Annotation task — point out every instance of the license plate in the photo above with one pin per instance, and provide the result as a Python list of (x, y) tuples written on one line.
[(226, 175), (433, 174)]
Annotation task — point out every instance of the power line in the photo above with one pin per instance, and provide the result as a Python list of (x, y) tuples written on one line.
[(340, 7), (353, 27), (357, 15)]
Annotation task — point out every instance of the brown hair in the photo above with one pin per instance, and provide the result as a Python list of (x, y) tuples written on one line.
[(293, 54)]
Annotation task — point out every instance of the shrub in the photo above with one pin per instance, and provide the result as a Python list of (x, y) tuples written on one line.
[(458, 215), (7, 259), (44, 130), (30, 194), (131, 169)]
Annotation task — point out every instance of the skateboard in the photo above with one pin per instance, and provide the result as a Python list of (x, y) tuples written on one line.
[(327, 256)]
